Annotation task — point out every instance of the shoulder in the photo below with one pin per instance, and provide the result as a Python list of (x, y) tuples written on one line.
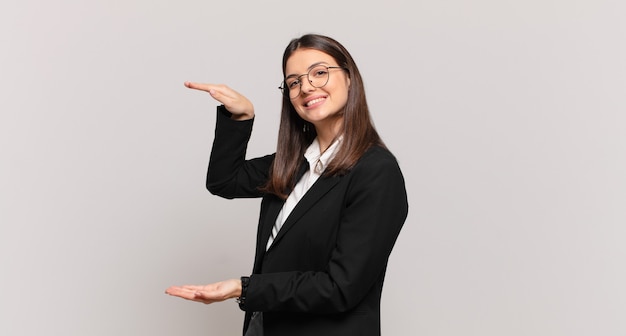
[(377, 177), (377, 156), (377, 163)]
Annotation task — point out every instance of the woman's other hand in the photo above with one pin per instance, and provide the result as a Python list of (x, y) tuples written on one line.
[(235, 103), (216, 292)]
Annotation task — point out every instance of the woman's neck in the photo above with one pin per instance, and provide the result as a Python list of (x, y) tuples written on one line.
[(328, 133)]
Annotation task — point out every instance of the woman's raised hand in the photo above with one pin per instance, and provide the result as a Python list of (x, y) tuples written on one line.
[(235, 103)]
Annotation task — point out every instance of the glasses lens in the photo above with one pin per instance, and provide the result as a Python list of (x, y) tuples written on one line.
[(318, 76), (291, 87)]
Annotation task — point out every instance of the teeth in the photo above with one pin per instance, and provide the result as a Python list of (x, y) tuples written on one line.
[(314, 101)]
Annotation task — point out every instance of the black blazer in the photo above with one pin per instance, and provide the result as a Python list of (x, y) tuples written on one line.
[(323, 275)]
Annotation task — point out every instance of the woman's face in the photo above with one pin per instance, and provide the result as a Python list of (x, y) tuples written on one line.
[(321, 106)]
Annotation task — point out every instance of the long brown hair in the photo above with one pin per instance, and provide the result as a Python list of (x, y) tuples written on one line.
[(358, 130)]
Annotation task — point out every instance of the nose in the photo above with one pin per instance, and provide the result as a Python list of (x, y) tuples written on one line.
[(306, 85)]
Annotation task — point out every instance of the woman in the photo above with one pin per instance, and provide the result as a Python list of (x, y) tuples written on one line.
[(333, 200)]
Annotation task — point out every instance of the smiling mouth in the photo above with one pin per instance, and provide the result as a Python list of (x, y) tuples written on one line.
[(314, 101)]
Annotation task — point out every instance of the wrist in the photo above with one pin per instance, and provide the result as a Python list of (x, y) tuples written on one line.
[(242, 117), (244, 281)]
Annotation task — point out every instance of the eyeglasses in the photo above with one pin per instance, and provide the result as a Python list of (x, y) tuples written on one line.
[(317, 77)]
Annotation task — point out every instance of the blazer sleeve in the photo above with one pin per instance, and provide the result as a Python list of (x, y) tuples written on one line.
[(376, 207), (230, 175)]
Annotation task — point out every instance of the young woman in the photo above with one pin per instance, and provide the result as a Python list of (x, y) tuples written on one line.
[(333, 200)]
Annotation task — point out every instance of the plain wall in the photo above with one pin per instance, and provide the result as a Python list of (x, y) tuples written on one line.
[(507, 118)]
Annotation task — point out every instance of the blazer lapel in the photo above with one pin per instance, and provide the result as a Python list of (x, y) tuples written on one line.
[(266, 230), (274, 205), (318, 189)]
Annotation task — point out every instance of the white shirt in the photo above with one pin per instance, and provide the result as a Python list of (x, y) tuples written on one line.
[(317, 164)]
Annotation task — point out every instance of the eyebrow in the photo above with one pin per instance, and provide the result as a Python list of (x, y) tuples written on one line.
[(308, 69)]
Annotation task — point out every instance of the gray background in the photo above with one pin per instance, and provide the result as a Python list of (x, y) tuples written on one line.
[(507, 118)]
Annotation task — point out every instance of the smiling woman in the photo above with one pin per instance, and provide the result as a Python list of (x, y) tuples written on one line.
[(334, 200), (319, 99)]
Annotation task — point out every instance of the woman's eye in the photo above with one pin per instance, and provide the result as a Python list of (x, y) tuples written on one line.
[(320, 73), (293, 84)]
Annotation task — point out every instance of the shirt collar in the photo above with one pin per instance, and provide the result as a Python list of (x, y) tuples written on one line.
[(319, 161)]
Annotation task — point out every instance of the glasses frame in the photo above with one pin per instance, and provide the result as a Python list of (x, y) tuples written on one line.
[(285, 89)]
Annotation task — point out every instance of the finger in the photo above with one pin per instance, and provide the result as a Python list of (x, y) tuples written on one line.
[(221, 93), (178, 290), (192, 297), (200, 86), (193, 287), (184, 295), (214, 89)]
